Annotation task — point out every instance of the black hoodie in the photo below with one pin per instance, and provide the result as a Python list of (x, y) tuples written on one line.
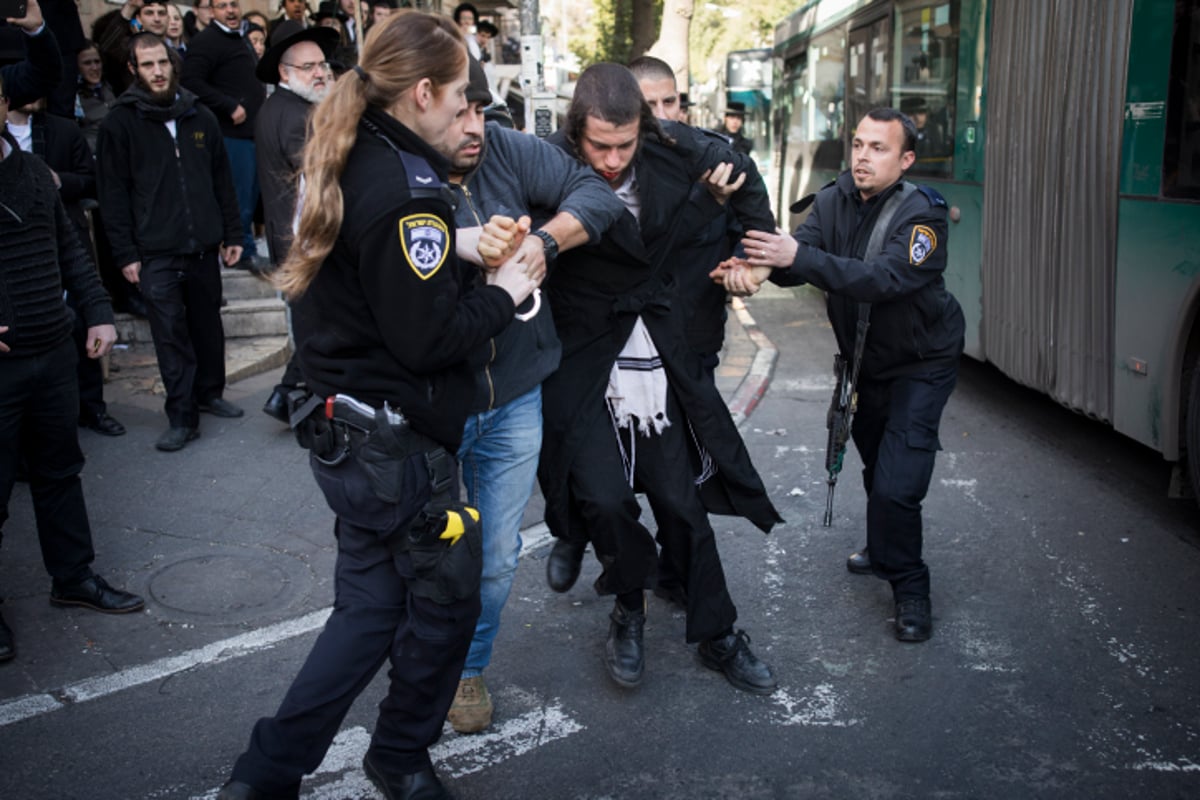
[(164, 195)]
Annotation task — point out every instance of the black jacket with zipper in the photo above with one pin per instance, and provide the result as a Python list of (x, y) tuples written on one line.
[(164, 195), (916, 324)]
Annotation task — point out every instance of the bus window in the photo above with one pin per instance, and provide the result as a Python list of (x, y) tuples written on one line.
[(866, 78), (1181, 154), (824, 106), (924, 70)]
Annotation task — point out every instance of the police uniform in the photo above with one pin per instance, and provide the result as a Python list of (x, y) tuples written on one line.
[(910, 359), (392, 323)]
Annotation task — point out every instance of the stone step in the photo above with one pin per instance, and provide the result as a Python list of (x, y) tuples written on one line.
[(134, 364), (256, 316), (238, 284)]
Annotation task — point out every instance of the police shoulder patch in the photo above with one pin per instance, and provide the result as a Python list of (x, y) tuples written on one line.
[(425, 241), (921, 244)]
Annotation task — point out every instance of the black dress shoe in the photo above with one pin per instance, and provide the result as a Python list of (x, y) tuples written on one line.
[(423, 785), (175, 438), (8, 645), (277, 406), (564, 563), (859, 563), (236, 790), (623, 652), (104, 424), (94, 592), (731, 655), (914, 620), (220, 407)]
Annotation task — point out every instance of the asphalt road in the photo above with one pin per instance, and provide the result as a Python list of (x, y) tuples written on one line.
[(1063, 663)]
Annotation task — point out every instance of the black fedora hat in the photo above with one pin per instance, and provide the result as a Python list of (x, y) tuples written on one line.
[(288, 33), (735, 108)]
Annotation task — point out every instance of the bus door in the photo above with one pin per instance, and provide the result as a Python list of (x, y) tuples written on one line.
[(867, 84)]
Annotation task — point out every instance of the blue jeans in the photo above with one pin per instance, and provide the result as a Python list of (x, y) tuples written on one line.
[(499, 457), (244, 166)]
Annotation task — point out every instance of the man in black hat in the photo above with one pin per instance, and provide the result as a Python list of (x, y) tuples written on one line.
[(735, 118), (931, 141), (298, 64)]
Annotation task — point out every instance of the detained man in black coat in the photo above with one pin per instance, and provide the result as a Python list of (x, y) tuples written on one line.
[(910, 350), (298, 65), (629, 407)]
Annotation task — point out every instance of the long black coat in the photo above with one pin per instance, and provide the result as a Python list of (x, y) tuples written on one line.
[(597, 293), (279, 135)]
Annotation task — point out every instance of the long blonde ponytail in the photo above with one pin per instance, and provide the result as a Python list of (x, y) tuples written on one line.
[(398, 54)]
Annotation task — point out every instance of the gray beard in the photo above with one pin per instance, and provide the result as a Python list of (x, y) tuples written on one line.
[(308, 93)]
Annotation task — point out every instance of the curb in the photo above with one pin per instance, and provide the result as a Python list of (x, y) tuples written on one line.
[(754, 385)]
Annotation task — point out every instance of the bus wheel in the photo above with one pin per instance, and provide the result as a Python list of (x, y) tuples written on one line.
[(1192, 432)]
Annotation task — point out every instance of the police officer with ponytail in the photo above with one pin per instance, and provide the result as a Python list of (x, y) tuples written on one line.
[(396, 335)]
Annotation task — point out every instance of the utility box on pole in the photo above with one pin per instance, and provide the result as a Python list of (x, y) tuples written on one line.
[(540, 117)]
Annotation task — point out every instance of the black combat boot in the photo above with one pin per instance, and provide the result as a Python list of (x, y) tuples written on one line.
[(731, 655), (623, 652)]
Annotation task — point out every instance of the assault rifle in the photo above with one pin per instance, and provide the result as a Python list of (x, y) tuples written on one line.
[(841, 411)]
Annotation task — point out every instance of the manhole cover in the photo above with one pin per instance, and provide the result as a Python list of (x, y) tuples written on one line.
[(233, 587)]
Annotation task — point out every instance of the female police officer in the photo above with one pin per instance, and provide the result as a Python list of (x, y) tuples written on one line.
[(392, 326)]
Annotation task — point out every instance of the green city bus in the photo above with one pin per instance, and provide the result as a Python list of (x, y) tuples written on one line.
[(1065, 138)]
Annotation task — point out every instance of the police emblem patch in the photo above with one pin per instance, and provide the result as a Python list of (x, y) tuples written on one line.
[(922, 243), (425, 240)]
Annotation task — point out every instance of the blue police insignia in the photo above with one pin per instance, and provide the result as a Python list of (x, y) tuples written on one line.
[(425, 240), (921, 245)]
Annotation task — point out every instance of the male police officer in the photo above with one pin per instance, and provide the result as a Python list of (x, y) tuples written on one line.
[(910, 358)]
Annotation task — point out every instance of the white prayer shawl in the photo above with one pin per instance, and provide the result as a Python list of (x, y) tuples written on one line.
[(637, 385), (637, 394)]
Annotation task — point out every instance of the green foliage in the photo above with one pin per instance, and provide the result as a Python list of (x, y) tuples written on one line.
[(608, 36), (722, 26)]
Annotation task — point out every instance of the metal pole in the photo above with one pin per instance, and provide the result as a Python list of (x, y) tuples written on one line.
[(532, 79)]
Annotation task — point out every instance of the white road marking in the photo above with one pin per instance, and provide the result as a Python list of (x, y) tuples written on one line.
[(455, 756), (21, 708), (820, 708)]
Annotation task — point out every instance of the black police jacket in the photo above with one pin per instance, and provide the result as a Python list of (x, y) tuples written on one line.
[(391, 314), (916, 324)]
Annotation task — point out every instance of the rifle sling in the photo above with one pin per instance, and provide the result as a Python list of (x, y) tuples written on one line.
[(874, 248)]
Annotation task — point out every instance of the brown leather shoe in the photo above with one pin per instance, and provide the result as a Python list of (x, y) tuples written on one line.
[(471, 710)]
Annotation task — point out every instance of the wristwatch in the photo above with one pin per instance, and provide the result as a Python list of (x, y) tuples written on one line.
[(550, 244)]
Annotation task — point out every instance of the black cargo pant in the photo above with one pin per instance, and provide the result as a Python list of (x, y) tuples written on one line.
[(183, 304), (375, 618), (896, 432)]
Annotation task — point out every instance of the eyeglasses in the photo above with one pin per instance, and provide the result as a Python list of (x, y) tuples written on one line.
[(311, 66)]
